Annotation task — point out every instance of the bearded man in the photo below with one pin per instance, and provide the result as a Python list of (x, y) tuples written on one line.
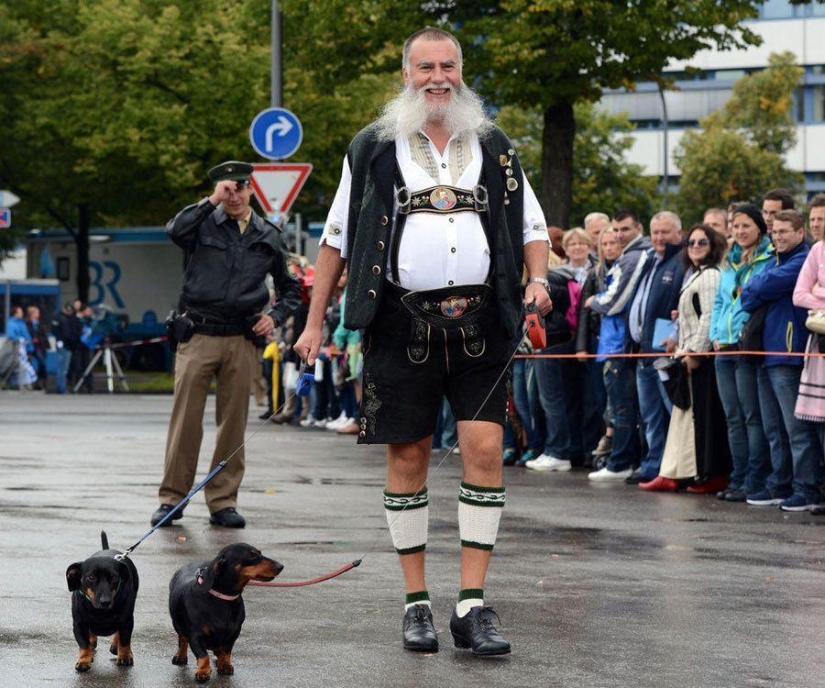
[(435, 220)]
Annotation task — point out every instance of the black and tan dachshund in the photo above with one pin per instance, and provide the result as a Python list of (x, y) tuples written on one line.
[(207, 608), (104, 590)]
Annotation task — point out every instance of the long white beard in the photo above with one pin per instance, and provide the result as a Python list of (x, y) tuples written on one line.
[(409, 112)]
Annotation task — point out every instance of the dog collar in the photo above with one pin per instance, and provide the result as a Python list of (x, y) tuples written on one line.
[(221, 596), (215, 593)]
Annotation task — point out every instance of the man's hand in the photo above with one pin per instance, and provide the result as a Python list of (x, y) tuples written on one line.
[(535, 291), (221, 192), (670, 345), (264, 326), (308, 344)]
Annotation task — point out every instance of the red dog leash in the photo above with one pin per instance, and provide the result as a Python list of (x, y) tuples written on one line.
[(312, 581)]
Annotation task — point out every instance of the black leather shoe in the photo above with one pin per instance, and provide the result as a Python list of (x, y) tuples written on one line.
[(418, 630), (161, 512), (477, 632), (637, 477), (227, 518), (736, 495)]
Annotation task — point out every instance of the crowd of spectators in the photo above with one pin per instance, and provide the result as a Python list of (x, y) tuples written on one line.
[(69, 334), (689, 364)]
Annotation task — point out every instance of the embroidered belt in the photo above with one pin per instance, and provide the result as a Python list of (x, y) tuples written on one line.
[(442, 199), (450, 307)]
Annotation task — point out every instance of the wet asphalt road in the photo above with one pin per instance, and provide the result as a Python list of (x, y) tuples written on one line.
[(595, 585)]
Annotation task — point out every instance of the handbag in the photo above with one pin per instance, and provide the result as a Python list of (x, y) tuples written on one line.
[(815, 322), (674, 376)]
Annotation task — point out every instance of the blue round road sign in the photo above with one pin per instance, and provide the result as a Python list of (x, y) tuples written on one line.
[(276, 133)]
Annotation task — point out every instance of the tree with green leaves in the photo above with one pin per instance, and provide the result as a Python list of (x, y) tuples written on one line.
[(737, 155), (603, 178), (556, 53)]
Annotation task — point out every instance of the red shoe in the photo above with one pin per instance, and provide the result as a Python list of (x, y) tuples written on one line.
[(660, 484), (710, 485)]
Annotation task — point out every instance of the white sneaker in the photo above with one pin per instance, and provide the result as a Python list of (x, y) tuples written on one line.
[(321, 423), (604, 475), (308, 422), (541, 458), (338, 422), (549, 463)]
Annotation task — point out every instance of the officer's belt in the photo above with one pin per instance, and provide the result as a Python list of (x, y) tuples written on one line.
[(442, 199), (216, 328), (447, 308)]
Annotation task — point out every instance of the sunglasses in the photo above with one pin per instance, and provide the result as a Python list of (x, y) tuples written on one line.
[(697, 242)]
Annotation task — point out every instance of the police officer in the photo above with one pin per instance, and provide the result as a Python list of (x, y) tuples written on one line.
[(224, 305)]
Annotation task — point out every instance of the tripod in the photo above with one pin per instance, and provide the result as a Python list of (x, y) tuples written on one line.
[(111, 363)]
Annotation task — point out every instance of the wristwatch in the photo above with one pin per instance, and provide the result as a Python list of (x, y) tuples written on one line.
[(540, 280)]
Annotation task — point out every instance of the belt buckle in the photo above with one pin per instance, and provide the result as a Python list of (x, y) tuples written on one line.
[(454, 306), (443, 198)]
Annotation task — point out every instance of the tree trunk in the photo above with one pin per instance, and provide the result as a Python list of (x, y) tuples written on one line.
[(556, 195), (84, 221)]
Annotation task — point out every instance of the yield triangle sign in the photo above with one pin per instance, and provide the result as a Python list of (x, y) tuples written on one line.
[(276, 185)]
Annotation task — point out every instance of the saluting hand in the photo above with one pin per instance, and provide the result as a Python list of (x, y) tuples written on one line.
[(222, 191)]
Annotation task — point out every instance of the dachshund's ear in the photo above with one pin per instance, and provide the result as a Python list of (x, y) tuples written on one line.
[(124, 572), (73, 575)]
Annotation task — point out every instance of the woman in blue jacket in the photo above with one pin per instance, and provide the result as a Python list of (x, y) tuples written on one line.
[(736, 376)]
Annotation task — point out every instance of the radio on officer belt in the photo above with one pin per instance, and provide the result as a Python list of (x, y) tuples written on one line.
[(535, 326)]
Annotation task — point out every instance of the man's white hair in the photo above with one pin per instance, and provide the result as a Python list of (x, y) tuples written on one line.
[(667, 215), (429, 33), (592, 217)]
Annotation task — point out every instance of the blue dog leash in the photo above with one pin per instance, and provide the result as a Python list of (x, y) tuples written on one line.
[(302, 389)]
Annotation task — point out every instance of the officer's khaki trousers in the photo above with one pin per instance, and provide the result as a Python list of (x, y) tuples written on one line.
[(229, 360)]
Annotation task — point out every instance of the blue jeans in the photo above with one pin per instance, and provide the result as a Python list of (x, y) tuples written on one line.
[(796, 469), (655, 408), (526, 400), (64, 360), (551, 381), (759, 459), (779, 480), (620, 384), (737, 437), (592, 405)]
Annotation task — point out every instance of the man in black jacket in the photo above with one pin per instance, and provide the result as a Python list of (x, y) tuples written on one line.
[(225, 302)]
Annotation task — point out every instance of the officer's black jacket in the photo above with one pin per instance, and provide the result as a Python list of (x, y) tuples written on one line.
[(225, 270)]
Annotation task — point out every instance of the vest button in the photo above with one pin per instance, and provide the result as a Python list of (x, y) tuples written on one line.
[(372, 294), (384, 220), (376, 269), (362, 434), (380, 245)]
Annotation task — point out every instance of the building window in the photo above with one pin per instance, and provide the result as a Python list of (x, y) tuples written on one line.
[(818, 97), (776, 9)]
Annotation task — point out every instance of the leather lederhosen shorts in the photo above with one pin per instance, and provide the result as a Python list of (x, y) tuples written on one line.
[(411, 363)]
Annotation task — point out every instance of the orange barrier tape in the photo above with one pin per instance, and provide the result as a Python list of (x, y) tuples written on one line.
[(661, 354)]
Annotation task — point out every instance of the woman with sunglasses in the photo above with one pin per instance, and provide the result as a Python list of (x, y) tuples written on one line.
[(693, 452), (737, 375)]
